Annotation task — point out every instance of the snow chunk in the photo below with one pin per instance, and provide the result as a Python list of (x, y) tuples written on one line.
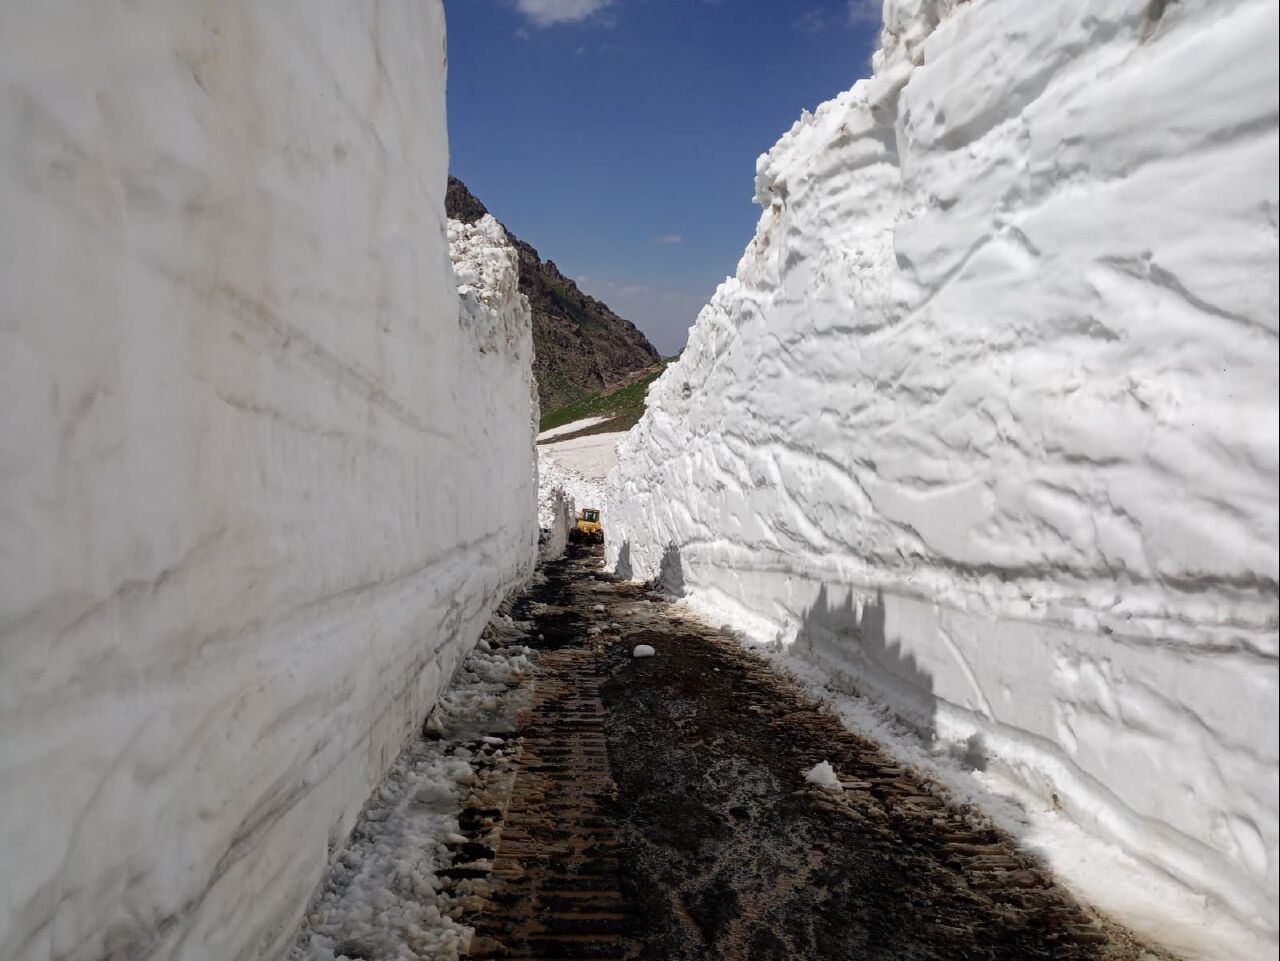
[(823, 775), (643, 650)]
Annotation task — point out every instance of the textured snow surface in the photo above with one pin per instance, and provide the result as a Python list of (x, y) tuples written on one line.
[(262, 480), (985, 425)]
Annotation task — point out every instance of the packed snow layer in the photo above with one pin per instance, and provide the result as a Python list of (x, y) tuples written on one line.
[(986, 424), (263, 479)]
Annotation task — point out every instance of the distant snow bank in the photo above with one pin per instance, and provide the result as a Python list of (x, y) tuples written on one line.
[(985, 425), (576, 467), (572, 428), (263, 479), (590, 457)]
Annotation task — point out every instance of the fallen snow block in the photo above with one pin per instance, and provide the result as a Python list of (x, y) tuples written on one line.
[(643, 650), (599, 607), (823, 775), (433, 727)]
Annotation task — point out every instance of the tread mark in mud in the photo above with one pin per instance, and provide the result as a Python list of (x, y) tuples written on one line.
[(556, 875), (659, 813)]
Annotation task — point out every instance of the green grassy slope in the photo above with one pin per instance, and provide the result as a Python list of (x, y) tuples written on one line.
[(624, 405)]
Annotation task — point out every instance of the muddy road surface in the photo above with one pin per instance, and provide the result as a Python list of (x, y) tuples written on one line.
[(660, 812)]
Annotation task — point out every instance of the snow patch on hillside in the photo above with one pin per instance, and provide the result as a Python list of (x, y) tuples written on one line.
[(577, 467), (985, 426), (573, 427), (590, 457)]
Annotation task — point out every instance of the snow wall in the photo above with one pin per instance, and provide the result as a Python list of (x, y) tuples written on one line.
[(986, 423), (262, 479), (555, 537)]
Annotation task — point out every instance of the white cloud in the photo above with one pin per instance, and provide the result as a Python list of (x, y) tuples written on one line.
[(866, 11), (857, 13), (668, 239), (811, 21), (546, 13)]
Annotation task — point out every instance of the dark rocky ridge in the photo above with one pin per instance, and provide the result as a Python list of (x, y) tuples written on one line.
[(580, 345)]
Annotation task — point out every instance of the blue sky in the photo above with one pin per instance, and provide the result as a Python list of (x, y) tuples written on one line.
[(619, 137)]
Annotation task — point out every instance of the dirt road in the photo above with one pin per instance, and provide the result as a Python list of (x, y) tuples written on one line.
[(660, 812)]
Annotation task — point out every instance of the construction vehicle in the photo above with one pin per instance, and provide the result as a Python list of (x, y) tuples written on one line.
[(588, 528)]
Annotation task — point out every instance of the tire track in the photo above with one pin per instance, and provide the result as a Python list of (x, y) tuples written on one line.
[(659, 812)]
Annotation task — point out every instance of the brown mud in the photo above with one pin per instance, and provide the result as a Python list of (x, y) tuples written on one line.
[(660, 813)]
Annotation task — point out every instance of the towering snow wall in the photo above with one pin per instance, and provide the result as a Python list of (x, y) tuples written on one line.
[(986, 423), (261, 479)]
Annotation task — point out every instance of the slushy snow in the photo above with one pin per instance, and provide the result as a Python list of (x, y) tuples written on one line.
[(385, 896), (985, 426)]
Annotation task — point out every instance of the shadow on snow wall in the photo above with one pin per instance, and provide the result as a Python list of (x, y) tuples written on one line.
[(851, 640), (623, 568)]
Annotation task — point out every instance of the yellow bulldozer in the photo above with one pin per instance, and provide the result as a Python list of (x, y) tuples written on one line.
[(588, 528)]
